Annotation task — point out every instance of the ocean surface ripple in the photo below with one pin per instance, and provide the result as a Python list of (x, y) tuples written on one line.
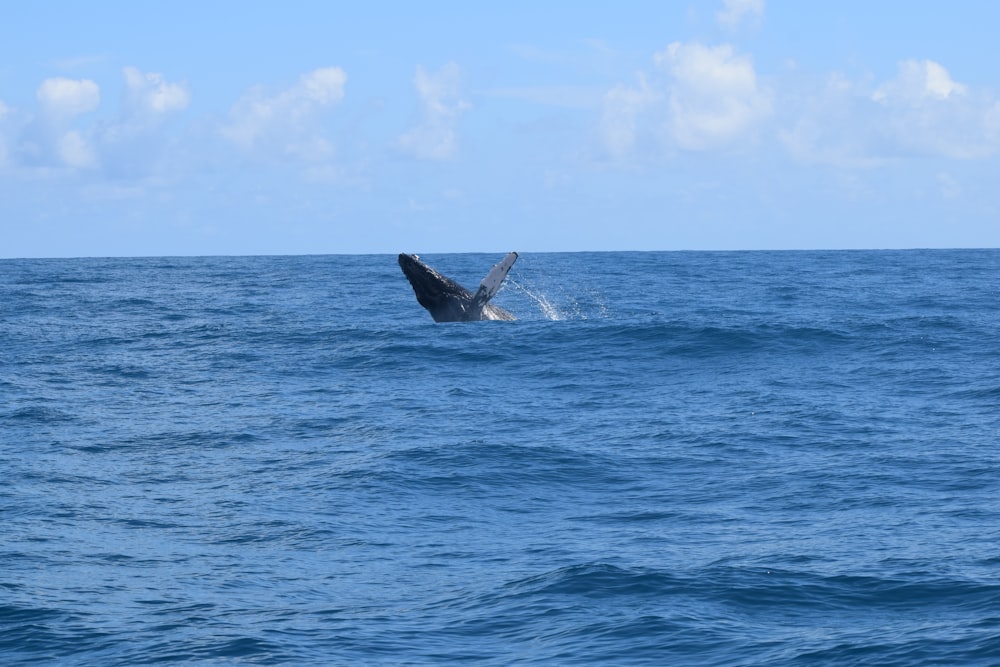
[(685, 458)]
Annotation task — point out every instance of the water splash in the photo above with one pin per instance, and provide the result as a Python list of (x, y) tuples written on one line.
[(549, 309), (540, 288)]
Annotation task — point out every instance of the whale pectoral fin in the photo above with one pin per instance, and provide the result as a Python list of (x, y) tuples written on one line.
[(491, 283)]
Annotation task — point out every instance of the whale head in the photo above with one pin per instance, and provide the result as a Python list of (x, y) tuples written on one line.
[(445, 299)]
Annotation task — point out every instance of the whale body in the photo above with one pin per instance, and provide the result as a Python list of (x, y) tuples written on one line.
[(447, 301)]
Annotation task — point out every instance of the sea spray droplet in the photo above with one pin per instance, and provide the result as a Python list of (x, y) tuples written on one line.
[(547, 308)]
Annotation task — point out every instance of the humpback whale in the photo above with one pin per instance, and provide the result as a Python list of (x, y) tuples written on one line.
[(447, 301)]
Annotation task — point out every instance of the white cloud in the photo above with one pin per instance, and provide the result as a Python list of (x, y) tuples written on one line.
[(735, 12), (75, 151), (922, 111), (714, 98), (49, 138), (622, 107), (324, 86), (435, 137), (66, 98), (698, 98), (287, 124), (917, 82), (129, 145), (133, 145), (831, 122), (149, 93)]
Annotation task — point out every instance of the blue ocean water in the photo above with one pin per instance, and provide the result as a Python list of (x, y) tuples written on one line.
[(780, 458)]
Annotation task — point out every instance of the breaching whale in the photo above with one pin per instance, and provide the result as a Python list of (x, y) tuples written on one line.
[(447, 301)]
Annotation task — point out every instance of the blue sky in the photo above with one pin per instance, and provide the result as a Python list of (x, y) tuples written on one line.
[(182, 128)]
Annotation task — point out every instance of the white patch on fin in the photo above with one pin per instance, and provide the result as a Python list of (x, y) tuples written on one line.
[(491, 283)]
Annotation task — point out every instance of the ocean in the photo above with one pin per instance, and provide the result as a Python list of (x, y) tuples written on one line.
[(670, 458)]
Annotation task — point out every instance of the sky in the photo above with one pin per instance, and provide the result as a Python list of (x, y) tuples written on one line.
[(242, 128)]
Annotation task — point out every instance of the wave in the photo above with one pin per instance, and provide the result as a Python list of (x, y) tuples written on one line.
[(598, 612), (37, 414)]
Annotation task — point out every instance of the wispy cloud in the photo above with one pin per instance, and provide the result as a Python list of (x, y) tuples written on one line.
[(58, 135), (435, 137), (50, 139), (737, 13), (925, 112), (697, 97), (133, 144), (622, 106), (917, 82), (288, 124), (64, 98), (922, 111), (149, 94), (829, 121), (141, 142), (714, 97)]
